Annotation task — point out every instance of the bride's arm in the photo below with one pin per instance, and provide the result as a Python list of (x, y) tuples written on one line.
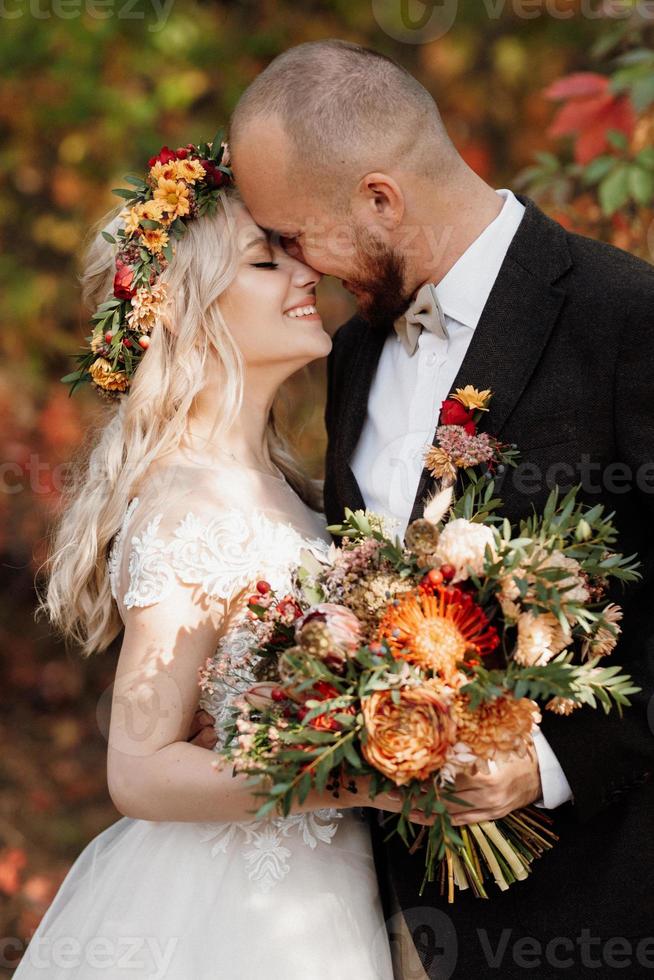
[(153, 773)]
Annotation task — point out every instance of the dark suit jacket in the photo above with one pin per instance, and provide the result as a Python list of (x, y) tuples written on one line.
[(566, 343)]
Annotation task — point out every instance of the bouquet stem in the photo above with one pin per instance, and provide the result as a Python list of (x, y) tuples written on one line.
[(501, 850)]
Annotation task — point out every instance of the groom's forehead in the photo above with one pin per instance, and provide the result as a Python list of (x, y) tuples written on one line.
[(260, 160)]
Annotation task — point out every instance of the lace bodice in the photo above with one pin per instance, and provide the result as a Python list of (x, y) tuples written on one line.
[(222, 550)]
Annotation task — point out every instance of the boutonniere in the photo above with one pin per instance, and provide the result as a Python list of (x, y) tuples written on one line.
[(459, 445)]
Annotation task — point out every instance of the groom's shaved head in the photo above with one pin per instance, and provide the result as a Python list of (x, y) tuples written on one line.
[(346, 111)]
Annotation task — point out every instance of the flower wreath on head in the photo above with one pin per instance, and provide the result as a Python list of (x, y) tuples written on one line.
[(180, 185)]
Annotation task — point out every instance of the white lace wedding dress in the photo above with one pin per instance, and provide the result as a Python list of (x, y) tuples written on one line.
[(283, 898)]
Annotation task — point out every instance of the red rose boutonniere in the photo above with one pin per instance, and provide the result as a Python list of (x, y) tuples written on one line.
[(458, 444)]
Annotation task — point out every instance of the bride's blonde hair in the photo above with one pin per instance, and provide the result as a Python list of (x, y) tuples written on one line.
[(151, 420)]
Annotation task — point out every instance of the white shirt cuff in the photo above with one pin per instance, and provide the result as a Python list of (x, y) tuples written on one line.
[(555, 786)]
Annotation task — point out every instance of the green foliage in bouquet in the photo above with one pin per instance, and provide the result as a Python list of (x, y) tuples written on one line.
[(407, 663)]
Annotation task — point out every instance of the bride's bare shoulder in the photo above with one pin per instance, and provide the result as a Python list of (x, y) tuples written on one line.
[(173, 486)]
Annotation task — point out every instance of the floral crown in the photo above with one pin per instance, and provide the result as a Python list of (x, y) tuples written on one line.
[(179, 185)]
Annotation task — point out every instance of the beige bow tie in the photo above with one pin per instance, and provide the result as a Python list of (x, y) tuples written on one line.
[(425, 313)]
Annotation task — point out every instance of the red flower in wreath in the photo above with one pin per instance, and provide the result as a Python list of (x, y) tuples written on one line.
[(213, 176), (123, 280), (165, 155)]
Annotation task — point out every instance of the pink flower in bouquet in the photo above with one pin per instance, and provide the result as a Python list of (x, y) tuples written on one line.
[(330, 632), (260, 696)]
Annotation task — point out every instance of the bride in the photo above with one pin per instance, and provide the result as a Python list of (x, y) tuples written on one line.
[(189, 497)]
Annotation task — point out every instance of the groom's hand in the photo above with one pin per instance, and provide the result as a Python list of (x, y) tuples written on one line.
[(202, 731), (512, 785)]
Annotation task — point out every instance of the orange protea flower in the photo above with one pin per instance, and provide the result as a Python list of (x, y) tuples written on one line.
[(175, 196), (408, 740), (437, 630), (499, 727)]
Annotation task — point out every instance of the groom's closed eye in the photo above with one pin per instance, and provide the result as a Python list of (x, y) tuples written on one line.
[(293, 247), (290, 244)]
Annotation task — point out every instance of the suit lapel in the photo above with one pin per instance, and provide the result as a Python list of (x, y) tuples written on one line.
[(515, 325)]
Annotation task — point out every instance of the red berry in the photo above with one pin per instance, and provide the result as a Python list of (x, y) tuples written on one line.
[(263, 587), (127, 342), (108, 336), (435, 577), (277, 694), (254, 600), (448, 572), (144, 342)]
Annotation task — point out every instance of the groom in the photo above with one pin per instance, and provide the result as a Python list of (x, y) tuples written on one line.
[(343, 154)]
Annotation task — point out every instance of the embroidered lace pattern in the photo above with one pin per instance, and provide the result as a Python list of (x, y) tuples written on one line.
[(222, 555)]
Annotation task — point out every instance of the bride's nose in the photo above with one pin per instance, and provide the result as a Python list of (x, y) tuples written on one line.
[(305, 276)]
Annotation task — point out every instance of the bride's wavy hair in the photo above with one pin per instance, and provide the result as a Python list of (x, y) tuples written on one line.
[(151, 420)]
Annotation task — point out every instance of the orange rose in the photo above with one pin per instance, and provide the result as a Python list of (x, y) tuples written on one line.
[(408, 740)]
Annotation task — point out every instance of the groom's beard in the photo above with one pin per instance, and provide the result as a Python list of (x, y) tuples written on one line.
[(379, 286)]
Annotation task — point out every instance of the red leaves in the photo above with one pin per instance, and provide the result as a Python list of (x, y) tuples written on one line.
[(590, 112)]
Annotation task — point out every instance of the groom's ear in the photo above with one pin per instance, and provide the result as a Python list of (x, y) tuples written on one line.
[(379, 200)]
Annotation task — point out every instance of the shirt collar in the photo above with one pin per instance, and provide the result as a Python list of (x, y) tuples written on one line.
[(464, 291)]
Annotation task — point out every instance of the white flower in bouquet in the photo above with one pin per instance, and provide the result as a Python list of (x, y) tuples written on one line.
[(462, 545), (605, 638), (540, 637), (573, 587), (508, 597)]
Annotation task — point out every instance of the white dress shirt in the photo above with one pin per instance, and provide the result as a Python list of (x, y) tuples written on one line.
[(405, 402)]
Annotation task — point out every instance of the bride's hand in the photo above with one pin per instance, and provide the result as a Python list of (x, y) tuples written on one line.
[(202, 732), (390, 802)]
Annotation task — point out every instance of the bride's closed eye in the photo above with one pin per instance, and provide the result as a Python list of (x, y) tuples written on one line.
[(265, 265)]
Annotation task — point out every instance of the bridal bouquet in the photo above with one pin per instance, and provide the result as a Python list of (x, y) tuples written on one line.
[(409, 662)]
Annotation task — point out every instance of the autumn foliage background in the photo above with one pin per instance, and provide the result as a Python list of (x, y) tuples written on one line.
[(559, 108)]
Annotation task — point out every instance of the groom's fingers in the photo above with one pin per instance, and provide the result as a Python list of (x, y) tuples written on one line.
[(201, 722), (206, 738)]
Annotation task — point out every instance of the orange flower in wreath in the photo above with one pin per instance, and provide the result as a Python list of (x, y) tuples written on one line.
[(436, 631)]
